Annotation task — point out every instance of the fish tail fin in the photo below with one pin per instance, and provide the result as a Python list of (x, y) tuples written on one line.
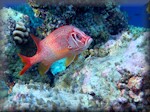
[(27, 63)]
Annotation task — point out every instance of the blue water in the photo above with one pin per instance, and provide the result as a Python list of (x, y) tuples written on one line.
[(137, 15)]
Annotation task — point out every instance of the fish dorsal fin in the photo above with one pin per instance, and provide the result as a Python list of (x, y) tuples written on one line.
[(43, 67), (61, 30), (36, 40), (70, 59)]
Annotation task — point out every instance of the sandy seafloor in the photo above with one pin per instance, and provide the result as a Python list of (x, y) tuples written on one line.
[(116, 82)]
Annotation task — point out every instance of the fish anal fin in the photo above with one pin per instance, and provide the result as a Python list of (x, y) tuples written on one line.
[(26, 61), (43, 67), (70, 59)]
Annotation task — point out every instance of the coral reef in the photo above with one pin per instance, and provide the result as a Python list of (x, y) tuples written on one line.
[(53, 16), (102, 77), (3, 89), (98, 52), (51, 98), (9, 61), (27, 10), (11, 26), (121, 105), (113, 75), (96, 21), (21, 33), (115, 82), (58, 66), (99, 22)]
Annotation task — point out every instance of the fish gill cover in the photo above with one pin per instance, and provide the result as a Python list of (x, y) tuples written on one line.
[(111, 75)]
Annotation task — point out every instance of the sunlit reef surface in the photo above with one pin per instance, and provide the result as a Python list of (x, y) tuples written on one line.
[(111, 75)]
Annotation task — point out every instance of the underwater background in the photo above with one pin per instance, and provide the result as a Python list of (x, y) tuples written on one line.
[(112, 74)]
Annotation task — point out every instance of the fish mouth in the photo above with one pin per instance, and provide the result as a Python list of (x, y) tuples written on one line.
[(90, 40), (87, 44)]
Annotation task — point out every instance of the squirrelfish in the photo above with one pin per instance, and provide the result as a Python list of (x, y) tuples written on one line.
[(66, 41)]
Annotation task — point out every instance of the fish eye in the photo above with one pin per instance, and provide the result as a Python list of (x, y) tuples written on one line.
[(78, 36)]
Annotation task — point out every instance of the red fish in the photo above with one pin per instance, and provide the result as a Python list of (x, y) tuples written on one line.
[(66, 41)]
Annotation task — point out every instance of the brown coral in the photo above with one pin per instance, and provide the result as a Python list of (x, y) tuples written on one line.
[(21, 33)]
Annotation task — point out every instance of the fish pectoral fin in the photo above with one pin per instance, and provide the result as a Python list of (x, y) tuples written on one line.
[(43, 67), (76, 58), (70, 59)]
